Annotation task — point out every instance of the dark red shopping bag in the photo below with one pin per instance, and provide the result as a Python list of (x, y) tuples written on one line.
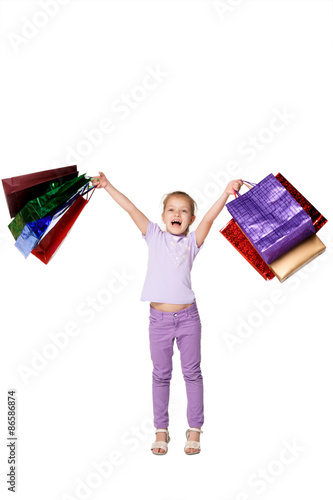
[(318, 220), (232, 232), (21, 189), (53, 239)]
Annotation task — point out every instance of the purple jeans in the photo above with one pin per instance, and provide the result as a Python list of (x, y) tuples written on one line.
[(185, 327)]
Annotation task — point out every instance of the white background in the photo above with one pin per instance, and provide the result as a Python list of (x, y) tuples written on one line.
[(227, 67)]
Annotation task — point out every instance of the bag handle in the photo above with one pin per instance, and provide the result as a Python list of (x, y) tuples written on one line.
[(247, 184), (83, 191)]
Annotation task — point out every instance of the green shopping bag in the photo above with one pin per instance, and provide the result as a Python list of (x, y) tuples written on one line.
[(47, 204)]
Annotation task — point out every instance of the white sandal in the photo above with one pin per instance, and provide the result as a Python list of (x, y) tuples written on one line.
[(161, 444), (192, 444)]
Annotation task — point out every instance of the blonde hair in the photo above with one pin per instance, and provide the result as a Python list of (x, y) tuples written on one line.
[(193, 204)]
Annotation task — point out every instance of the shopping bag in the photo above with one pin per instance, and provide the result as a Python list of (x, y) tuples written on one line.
[(318, 220), (271, 218), (296, 258), (23, 188), (31, 234), (34, 231), (50, 243), (237, 238), (46, 204)]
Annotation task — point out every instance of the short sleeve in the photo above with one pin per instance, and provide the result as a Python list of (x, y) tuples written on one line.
[(193, 242), (152, 230)]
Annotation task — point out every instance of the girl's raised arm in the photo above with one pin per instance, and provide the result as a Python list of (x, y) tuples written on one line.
[(206, 223), (138, 217)]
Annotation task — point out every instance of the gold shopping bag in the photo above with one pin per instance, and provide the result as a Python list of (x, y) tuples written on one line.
[(297, 257)]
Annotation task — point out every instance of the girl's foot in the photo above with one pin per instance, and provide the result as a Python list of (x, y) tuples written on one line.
[(160, 436), (194, 436)]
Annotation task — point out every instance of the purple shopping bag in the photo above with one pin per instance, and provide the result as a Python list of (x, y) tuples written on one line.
[(271, 218)]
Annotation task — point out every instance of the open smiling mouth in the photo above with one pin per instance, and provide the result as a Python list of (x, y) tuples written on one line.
[(176, 222)]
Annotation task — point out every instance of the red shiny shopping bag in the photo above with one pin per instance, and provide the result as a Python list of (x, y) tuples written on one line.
[(318, 220), (50, 243), (21, 189), (237, 238)]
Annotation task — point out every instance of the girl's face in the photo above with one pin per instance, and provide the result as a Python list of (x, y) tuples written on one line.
[(177, 215)]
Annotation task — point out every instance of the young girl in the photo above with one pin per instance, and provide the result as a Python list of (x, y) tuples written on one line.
[(173, 309)]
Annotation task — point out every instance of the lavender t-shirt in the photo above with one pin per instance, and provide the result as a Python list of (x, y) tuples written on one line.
[(170, 262)]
